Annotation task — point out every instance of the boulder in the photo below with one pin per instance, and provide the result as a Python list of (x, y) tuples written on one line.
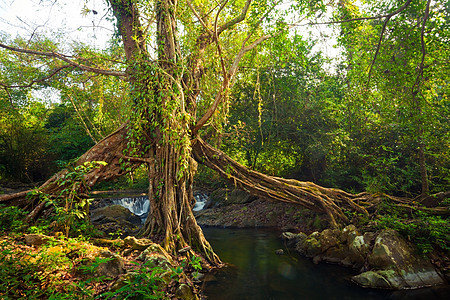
[(114, 213), (105, 262), (292, 239), (155, 256), (115, 219), (137, 244), (184, 292), (36, 239), (393, 259), (390, 262), (111, 268), (279, 252)]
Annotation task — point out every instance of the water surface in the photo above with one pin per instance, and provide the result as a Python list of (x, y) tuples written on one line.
[(256, 272)]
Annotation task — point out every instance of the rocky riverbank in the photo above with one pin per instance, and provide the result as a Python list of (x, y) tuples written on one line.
[(236, 208), (384, 258)]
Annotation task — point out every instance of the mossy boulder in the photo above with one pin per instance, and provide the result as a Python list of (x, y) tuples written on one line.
[(389, 261), (36, 239), (106, 263), (115, 219), (113, 213), (137, 244), (394, 259)]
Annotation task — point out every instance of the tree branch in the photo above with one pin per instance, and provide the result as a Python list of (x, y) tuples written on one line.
[(422, 43), (403, 7), (378, 48), (232, 71), (33, 82), (194, 11), (236, 20), (66, 59), (388, 17)]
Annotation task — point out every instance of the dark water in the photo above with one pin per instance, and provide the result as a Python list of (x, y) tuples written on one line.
[(258, 273)]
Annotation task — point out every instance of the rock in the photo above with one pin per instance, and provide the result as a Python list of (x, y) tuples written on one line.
[(316, 259), (137, 244), (107, 263), (293, 239), (111, 268), (349, 233), (358, 250), (329, 238), (279, 252), (391, 262), (115, 219), (155, 256), (223, 196), (310, 246), (399, 265), (36, 239), (372, 279), (108, 243), (114, 212), (121, 281), (184, 292)]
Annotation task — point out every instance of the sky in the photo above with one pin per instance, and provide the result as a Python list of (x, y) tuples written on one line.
[(31, 17), (28, 17)]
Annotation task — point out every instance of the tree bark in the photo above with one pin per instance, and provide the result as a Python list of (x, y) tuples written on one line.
[(110, 150)]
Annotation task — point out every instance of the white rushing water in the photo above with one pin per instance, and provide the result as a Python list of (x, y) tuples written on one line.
[(200, 201), (137, 205), (140, 205)]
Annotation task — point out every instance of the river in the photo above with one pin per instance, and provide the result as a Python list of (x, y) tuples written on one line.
[(257, 272)]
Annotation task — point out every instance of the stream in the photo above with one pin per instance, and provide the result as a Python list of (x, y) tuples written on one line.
[(256, 272)]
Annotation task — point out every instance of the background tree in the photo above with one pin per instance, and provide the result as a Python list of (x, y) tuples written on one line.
[(396, 94)]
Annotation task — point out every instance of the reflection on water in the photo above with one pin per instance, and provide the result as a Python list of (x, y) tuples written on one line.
[(256, 272)]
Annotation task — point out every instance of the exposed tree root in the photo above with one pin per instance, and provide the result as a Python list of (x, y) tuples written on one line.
[(307, 194), (184, 230), (109, 150)]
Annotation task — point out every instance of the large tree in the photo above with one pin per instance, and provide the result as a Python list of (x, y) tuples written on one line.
[(181, 59)]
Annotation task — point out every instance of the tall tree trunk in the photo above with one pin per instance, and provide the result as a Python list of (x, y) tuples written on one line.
[(160, 109), (423, 166)]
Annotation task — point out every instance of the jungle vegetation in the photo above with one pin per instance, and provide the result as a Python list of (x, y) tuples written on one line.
[(368, 126)]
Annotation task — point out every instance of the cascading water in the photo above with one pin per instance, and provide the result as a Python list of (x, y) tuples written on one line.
[(140, 205), (137, 205), (200, 201)]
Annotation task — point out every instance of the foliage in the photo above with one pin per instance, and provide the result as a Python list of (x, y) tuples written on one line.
[(282, 120), (395, 108), (26, 273), (23, 143), (69, 205), (11, 219), (147, 282), (67, 138), (425, 231), (134, 180)]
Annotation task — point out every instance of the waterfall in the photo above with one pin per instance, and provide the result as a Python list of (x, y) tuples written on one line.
[(137, 205), (200, 201), (141, 205)]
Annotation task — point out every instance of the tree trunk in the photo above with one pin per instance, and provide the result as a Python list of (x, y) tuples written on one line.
[(160, 111)]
